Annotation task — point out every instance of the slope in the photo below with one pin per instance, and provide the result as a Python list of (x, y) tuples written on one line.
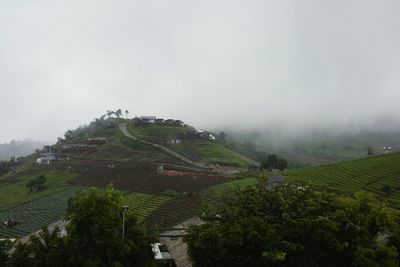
[(379, 175)]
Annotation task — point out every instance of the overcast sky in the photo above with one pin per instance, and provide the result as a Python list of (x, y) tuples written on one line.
[(210, 63)]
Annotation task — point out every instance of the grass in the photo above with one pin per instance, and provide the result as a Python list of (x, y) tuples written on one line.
[(17, 193), (369, 174), (158, 133), (198, 150)]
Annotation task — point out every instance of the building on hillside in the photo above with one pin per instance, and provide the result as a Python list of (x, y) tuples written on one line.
[(173, 140), (178, 123), (148, 119), (169, 122), (205, 135), (43, 161), (159, 121), (96, 141)]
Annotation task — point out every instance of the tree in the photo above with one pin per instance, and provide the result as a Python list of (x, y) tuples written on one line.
[(118, 113), (5, 246), (126, 114), (221, 138), (270, 162), (282, 164), (370, 151), (94, 237), (95, 234), (37, 184), (294, 225), (387, 189), (43, 249)]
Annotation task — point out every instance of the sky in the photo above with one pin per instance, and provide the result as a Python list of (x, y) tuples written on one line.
[(213, 64)]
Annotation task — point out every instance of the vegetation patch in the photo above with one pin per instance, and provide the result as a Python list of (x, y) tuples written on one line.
[(379, 175), (17, 193), (33, 215), (142, 205)]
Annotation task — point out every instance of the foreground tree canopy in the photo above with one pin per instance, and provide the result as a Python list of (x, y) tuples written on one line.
[(94, 237), (296, 226)]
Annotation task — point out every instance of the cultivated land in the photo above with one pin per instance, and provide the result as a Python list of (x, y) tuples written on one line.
[(370, 174), (157, 198)]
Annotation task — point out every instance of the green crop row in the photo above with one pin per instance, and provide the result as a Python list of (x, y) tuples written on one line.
[(33, 215), (369, 174), (142, 205)]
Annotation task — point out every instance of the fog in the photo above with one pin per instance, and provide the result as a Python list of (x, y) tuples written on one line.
[(290, 65)]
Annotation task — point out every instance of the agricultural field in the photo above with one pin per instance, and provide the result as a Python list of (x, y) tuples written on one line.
[(181, 209), (158, 133), (15, 192), (198, 150), (32, 215), (379, 175), (142, 205)]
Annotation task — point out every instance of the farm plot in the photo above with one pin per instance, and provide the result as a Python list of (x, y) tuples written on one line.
[(136, 177), (179, 210), (33, 215), (369, 174), (142, 205)]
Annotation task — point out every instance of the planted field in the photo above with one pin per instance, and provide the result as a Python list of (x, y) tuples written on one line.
[(142, 205), (179, 210), (33, 215), (379, 175), (135, 177)]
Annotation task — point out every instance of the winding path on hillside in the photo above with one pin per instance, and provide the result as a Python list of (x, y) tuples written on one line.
[(123, 128)]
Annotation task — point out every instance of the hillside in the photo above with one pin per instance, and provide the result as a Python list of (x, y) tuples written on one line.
[(379, 175), (99, 154)]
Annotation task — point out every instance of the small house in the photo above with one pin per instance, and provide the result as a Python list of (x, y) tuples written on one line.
[(148, 119), (178, 123), (173, 140), (43, 161)]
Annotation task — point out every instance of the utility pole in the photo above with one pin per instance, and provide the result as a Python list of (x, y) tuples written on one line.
[(124, 210)]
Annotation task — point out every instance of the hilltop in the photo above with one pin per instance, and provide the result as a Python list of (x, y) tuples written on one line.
[(377, 174)]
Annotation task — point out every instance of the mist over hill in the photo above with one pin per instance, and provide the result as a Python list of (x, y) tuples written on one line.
[(318, 146), (18, 148)]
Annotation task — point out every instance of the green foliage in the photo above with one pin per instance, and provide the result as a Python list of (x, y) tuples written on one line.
[(5, 246), (368, 174), (44, 249), (294, 226), (272, 161), (16, 193), (37, 184), (95, 234), (94, 237), (5, 166), (387, 189)]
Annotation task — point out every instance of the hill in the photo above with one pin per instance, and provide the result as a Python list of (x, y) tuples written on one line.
[(378, 174), (99, 154), (316, 147), (18, 148)]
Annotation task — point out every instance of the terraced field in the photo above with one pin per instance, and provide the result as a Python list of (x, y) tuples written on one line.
[(33, 215), (179, 210), (142, 205), (369, 174)]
